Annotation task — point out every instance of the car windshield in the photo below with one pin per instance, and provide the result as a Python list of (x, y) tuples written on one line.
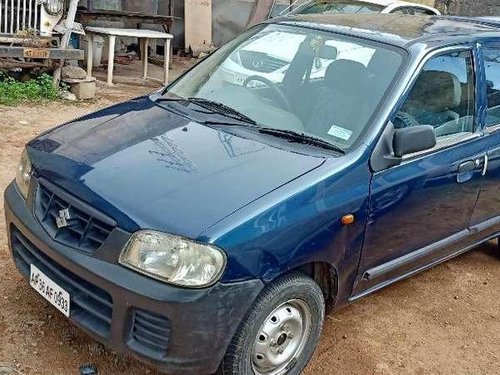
[(338, 6), (306, 81)]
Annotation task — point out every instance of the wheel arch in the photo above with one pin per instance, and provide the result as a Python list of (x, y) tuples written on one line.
[(326, 276)]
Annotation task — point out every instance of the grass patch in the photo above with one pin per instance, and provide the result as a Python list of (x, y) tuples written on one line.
[(13, 92)]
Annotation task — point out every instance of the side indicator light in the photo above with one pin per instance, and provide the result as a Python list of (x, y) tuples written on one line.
[(348, 219)]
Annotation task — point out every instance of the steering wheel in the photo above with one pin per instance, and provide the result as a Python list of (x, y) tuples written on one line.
[(281, 95)]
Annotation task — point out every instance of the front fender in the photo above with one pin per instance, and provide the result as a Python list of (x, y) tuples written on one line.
[(298, 224)]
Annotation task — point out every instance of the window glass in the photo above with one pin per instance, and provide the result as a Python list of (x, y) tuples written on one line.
[(423, 11), (339, 6), (443, 96), (403, 10), (413, 11), (318, 83), (492, 67)]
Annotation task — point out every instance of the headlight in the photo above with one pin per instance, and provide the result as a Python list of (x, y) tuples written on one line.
[(23, 176), (54, 7), (173, 259)]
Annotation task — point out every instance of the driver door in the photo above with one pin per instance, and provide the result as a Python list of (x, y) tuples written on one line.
[(422, 206)]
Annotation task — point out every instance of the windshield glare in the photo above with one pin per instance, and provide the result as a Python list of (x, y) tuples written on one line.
[(317, 83)]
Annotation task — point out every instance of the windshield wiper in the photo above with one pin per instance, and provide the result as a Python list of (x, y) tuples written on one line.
[(301, 138), (212, 106), (222, 109)]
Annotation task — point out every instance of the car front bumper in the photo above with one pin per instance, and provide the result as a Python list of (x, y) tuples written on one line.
[(174, 329)]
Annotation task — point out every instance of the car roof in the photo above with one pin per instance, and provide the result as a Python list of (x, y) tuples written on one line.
[(397, 29)]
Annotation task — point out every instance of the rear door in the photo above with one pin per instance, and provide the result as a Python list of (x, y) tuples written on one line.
[(486, 218), (426, 203)]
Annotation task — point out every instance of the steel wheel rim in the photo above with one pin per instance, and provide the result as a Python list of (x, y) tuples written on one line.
[(281, 338)]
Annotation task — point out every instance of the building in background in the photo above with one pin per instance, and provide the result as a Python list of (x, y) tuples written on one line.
[(201, 24)]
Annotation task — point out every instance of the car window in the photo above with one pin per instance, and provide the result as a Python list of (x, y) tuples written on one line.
[(338, 6), (413, 11), (314, 82), (442, 96), (344, 51), (492, 69), (282, 7), (403, 10), (423, 11)]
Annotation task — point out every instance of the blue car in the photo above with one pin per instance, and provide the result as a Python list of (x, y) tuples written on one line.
[(210, 226)]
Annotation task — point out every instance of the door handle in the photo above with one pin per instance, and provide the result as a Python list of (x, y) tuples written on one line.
[(466, 171)]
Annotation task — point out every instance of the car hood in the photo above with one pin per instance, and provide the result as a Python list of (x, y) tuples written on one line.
[(147, 167)]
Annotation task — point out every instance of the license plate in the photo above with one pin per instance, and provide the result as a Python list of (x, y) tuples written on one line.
[(36, 53), (48, 289)]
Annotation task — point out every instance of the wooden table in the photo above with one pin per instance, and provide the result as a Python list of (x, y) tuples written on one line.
[(143, 35)]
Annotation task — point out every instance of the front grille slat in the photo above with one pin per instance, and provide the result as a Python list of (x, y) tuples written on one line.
[(84, 231), (154, 330), (91, 306), (151, 326), (151, 332), (152, 344), (85, 305), (76, 230), (46, 208)]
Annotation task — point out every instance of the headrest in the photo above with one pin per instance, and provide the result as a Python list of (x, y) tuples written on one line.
[(346, 76), (384, 65), (436, 91)]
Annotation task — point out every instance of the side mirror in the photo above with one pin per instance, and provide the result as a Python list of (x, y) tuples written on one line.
[(413, 139)]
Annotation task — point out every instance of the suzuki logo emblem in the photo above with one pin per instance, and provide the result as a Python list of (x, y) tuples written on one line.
[(62, 220)]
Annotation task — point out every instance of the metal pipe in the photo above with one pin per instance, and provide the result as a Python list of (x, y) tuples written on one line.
[(1, 9), (37, 8), (24, 14), (12, 8), (70, 22), (6, 26), (18, 16), (29, 13)]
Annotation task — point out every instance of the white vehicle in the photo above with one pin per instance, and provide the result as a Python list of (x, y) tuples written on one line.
[(351, 6), (260, 58), (32, 31)]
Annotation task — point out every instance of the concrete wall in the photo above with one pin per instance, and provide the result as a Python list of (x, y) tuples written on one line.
[(229, 18), (470, 7), (198, 24)]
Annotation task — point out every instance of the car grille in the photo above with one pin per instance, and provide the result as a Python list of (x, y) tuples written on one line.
[(91, 306), (16, 16), (261, 62), (86, 229), (150, 333)]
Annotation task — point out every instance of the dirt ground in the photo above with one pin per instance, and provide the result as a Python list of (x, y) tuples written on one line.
[(444, 321)]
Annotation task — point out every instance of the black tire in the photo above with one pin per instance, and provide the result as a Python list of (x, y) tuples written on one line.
[(294, 286)]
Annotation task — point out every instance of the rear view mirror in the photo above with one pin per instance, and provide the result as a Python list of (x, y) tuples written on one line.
[(328, 53), (413, 139)]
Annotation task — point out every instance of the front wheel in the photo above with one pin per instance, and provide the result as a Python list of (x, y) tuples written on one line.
[(280, 332)]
